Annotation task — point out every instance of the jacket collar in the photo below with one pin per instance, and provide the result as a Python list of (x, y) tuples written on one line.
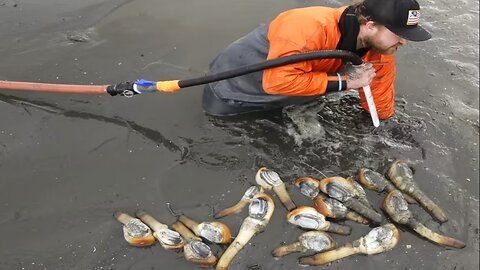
[(349, 29)]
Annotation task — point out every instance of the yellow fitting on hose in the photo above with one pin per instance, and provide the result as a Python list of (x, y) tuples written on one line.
[(168, 86)]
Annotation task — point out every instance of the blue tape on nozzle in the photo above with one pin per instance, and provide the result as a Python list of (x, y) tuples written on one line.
[(141, 86), (145, 83)]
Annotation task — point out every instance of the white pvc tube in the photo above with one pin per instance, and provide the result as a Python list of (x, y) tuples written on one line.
[(371, 105)]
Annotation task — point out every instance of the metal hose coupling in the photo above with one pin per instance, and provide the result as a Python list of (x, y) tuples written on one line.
[(128, 89), (125, 89)]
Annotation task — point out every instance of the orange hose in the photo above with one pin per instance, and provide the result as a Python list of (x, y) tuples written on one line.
[(57, 88)]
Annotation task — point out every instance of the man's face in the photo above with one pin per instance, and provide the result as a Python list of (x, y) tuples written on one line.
[(385, 41)]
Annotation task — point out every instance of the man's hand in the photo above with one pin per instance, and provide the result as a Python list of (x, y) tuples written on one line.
[(359, 75)]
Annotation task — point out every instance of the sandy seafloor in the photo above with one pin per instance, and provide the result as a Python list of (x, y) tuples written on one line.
[(67, 162)]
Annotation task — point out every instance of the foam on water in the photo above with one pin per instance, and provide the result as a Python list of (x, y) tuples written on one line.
[(305, 124), (332, 121), (330, 135)]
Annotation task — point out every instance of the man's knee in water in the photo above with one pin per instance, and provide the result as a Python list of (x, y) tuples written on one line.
[(214, 105)]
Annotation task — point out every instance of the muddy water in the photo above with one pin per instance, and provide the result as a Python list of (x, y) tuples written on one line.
[(68, 162)]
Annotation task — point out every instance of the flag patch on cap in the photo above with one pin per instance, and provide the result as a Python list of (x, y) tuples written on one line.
[(413, 17)]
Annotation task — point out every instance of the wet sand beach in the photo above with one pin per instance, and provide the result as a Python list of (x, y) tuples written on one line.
[(68, 162)]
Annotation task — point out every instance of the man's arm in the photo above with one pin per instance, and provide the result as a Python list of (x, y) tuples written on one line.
[(293, 34)]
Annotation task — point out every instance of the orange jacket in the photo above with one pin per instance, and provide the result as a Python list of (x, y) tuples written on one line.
[(316, 28)]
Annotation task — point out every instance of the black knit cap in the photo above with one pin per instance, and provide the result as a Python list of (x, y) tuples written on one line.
[(399, 16)]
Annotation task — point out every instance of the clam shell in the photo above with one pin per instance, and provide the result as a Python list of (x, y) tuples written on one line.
[(251, 192), (308, 221), (404, 169), (397, 207), (270, 177), (306, 217), (336, 207), (168, 237), (359, 188), (309, 189), (211, 232), (315, 241), (198, 249), (136, 228), (339, 192), (400, 169), (379, 240), (374, 180), (258, 208)]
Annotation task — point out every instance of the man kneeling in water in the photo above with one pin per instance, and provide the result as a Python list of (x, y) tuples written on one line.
[(372, 29)]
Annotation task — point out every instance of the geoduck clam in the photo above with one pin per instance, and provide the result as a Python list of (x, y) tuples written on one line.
[(402, 177), (269, 179), (169, 239), (360, 192), (378, 240), (397, 208), (308, 186), (375, 181), (315, 241), (135, 231), (341, 189), (244, 201), (213, 231), (332, 208), (260, 211), (326, 206), (307, 217), (195, 251)]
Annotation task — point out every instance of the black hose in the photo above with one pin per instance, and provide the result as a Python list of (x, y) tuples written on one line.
[(315, 55)]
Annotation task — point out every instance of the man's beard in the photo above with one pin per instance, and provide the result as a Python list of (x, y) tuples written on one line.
[(382, 50)]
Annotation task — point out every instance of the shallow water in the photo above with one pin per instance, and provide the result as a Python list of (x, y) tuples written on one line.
[(69, 161)]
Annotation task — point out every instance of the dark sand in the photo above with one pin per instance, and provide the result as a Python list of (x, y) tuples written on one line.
[(67, 162)]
